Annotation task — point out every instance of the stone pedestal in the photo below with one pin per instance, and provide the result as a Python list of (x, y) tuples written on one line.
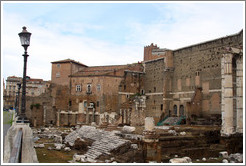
[(152, 150), (149, 124), (28, 153)]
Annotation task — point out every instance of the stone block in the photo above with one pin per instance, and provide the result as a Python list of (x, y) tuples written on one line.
[(58, 139), (223, 154), (240, 102), (149, 123), (128, 129), (237, 157), (228, 81), (181, 160), (67, 149), (239, 91), (224, 161), (228, 92), (134, 146)]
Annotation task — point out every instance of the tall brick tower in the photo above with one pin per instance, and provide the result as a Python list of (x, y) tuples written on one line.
[(148, 52)]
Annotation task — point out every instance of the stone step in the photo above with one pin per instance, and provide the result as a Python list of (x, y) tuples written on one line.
[(94, 152), (90, 156)]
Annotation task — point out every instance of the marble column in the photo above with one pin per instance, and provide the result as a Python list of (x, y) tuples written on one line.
[(58, 119), (239, 91), (227, 95)]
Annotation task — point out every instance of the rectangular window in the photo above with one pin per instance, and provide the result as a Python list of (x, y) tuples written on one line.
[(97, 103), (58, 75), (58, 65), (88, 88), (78, 88), (98, 87), (85, 104)]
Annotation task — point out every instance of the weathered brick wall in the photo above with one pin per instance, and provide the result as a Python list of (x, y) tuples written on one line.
[(148, 52), (153, 85), (39, 109), (65, 69)]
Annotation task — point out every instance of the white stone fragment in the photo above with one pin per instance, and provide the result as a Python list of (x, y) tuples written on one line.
[(172, 132), (67, 149), (180, 160), (134, 146), (224, 161), (237, 157), (128, 129), (223, 154)]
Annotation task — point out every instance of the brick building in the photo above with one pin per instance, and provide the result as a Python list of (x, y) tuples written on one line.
[(62, 69), (35, 87), (95, 95), (10, 91)]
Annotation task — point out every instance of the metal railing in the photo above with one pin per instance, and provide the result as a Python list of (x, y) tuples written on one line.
[(15, 156)]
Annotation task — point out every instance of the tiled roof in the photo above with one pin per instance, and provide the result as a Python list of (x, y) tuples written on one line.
[(117, 70), (68, 61)]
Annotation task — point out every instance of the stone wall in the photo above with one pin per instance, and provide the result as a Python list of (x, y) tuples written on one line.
[(153, 86), (183, 72), (200, 66), (40, 110)]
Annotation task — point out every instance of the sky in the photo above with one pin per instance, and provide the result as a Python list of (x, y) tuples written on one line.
[(107, 33)]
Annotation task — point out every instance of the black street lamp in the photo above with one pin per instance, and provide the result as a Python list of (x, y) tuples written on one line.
[(18, 99), (25, 42)]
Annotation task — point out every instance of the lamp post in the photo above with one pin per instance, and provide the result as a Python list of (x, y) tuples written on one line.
[(18, 99), (25, 42)]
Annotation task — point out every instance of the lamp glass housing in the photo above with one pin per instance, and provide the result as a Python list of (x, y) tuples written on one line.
[(25, 37)]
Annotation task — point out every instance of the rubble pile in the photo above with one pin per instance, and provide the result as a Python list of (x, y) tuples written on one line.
[(104, 142)]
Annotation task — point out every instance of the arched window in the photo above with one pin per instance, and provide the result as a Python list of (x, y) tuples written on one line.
[(181, 110), (175, 109)]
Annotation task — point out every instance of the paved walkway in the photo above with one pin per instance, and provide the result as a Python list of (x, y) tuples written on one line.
[(7, 116)]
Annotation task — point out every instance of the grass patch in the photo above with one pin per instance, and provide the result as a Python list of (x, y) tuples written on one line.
[(53, 156), (7, 118)]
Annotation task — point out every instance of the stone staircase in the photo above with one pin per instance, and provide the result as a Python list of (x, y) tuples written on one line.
[(104, 142)]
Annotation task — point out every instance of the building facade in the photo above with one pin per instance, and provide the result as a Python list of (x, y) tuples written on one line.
[(34, 87), (194, 80), (10, 91), (201, 81), (61, 70)]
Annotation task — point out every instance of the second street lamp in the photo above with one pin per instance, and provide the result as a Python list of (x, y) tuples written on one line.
[(25, 42)]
